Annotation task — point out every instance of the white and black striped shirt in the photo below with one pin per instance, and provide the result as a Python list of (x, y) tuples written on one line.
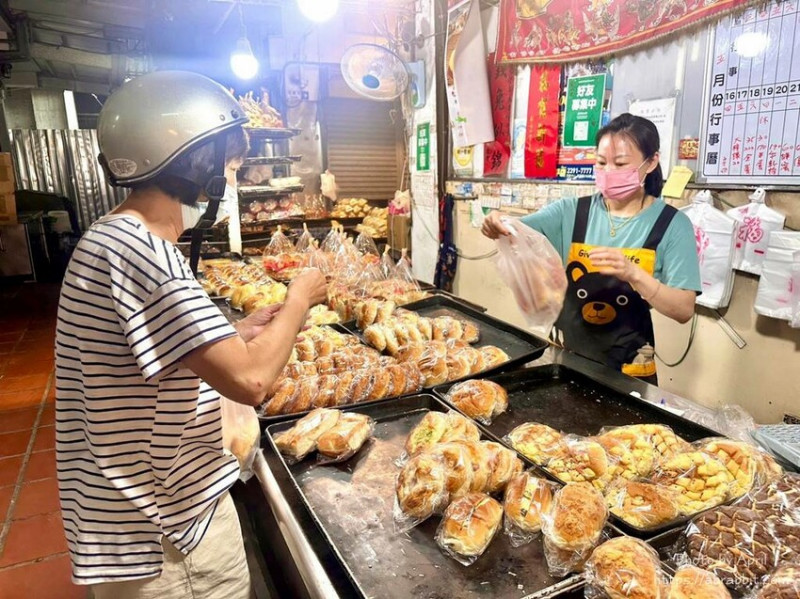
[(138, 437)]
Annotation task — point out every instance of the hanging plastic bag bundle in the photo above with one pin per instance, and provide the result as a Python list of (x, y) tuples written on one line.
[(755, 222), (714, 233), (305, 242), (530, 265), (775, 289), (366, 245), (240, 434)]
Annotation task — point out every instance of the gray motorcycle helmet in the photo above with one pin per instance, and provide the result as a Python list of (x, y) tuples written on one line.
[(153, 119)]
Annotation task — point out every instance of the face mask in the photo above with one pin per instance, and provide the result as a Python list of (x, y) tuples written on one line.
[(618, 184), (192, 214)]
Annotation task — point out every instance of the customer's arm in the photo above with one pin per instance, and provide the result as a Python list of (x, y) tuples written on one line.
[(245, 371)]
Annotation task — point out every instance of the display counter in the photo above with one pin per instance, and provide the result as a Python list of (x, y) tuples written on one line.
[(308, 567)]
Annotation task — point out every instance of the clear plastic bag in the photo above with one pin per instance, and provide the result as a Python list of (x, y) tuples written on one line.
[(279, 243), (691, 581), (421, 491), (240, 434), (573, 527), (634, 453), (642, 504), (537, 442), (527, 500), (366, 245), (783, 583), (529, 264), (300, 440), (468, 527), (748, 464), (345, 439), (581, 460), (700, 480), (388, 264), (624, 568), (305, 241), (478, 399)]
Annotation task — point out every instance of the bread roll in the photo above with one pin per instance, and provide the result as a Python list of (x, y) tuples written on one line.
[(471, 333), (458, 366), (577, 518), (460, 428), (626, 568), (283, 395), (458, 467), (381, 385), (740, 459), (301, 439), (581, 461), (341, 395), (701, 481), (642, 504), (375, 335), (427, 433), (632, 455), (494, 356), (482, 400), (306, 391), (469, 525), (480, 459), (421, 486), (537, 442), (325, 396), (527, 499), (503, 465), (346, 437), (361, 387), (690, 582)]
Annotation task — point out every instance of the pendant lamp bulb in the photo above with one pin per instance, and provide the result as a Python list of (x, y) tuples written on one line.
[(244, 64), (318, 11)]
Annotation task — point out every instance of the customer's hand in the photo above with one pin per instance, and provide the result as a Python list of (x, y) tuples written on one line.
[(251, 327), (310, 286), (493, 226)]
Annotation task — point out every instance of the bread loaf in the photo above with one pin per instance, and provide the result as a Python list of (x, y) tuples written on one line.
[(527, 499), (346, 437), (625, 568), (469, 525), (690, 582), (301, 439)]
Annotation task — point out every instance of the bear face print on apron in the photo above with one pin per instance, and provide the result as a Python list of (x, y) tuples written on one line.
[(603, 318)]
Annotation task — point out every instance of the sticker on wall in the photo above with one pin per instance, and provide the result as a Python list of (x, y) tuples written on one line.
[(688, 149), (463, 161)]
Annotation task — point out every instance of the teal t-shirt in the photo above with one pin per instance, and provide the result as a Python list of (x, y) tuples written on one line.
[(676, 256)]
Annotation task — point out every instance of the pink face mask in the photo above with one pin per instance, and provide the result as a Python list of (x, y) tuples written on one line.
[(617, 184)]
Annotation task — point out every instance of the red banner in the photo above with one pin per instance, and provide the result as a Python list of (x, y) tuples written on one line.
[(568, 30), (541, 138), (497, 153)]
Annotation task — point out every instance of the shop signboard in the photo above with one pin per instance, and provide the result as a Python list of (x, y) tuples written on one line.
[(584, 110)]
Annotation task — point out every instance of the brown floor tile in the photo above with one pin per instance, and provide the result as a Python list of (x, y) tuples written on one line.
[(51, 394), (43, 324), (41, 464), (47, 579), (14, 443), (9, 470), (17, 420), (40, 497), (45, 438), (48, 415), (41, 335), (6, 347), (5, 501), (10, 383), (34, 538), (20, 399), (11, 332), (30, 353), (22, 367)]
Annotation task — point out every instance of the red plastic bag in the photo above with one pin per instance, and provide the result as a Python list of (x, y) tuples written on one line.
[(530, 265)]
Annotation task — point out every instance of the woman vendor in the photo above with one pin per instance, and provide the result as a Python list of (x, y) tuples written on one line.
[(625, 250)]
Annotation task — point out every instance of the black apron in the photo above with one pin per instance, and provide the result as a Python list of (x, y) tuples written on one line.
[(603, 318)]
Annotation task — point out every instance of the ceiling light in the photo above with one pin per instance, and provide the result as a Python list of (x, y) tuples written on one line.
[(243, 63), (318, 11), (750, 44)]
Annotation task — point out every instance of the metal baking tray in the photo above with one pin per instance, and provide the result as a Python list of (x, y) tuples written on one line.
[(573, 403), (433, 290), (521, 346), (346, 512)]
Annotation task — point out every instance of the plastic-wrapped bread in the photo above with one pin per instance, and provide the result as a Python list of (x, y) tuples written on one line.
[(468, 526), (458, 467), (580, 461), (478, 399), (572, 527), (783, 583), (282, 396), (460, 428), (421, 490), (624, 568), (527, 499), (481, 458), (537, 442), (701, 481), (346, 437), (301, 439), (494, 356), (503, 465), (633, 453), (642, 504), (691, 582), (742, 460)]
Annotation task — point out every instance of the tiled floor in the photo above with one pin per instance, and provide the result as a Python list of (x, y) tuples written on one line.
[(33, 559)]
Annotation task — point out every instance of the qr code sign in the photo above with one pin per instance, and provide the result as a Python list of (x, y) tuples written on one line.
[(580, 132)]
